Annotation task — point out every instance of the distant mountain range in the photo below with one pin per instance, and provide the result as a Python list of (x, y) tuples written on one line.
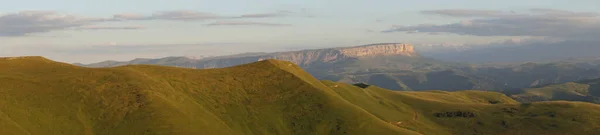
[(303, 58), (398, 66), (518, 53)]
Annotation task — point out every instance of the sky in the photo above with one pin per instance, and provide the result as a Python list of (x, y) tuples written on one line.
[(97, 30)]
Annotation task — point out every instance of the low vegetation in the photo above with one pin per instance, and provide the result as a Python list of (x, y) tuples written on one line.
[(39, 96)]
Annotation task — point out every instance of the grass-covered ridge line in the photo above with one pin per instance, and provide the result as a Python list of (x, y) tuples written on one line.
[(585, 91), (267, 97), (39, 96)]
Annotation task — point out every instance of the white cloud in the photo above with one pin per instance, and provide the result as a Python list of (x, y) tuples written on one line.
[(539, 22), (110, 27), (177, 15), (183, 15), (28, 22), (267, 15), (465, 12), (238, 23)]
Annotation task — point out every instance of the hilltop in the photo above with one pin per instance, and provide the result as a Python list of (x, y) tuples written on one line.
[(39, 96), (267, 97)]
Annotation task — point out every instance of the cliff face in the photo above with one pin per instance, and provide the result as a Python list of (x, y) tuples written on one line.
[(379, 50), (308, 57)]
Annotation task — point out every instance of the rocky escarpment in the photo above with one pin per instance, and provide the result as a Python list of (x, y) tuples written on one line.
[(379, 50), (302, 58), (308, 57)]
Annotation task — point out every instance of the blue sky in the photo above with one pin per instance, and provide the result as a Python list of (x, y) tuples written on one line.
[(96, 30)]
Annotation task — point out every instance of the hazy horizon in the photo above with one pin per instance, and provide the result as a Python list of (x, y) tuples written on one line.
[(93, 31)]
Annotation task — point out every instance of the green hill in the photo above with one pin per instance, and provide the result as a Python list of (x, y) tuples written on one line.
[(268, 97), (586, 91), (39, 96), (471, 112)]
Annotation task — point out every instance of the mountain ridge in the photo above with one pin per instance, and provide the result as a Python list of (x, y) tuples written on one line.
[(302, 58), (584, 91), (405, 69), (538, 51)]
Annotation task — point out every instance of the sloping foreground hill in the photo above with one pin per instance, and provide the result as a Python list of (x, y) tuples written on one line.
[(39, 96)]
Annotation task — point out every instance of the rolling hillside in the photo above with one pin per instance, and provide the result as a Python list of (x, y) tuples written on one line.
[(40, 96), (268, 97), (585, 91), (472, 112)]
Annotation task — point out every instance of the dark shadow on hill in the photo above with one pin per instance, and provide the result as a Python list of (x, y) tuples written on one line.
[(512, 91), (361, 85)]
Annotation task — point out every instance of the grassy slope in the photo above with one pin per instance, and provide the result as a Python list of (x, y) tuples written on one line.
[(567, 91), (586, 91), (416, 111), (38, 96)]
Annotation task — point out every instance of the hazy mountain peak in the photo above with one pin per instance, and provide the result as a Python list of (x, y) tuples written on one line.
[(380, 49)]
